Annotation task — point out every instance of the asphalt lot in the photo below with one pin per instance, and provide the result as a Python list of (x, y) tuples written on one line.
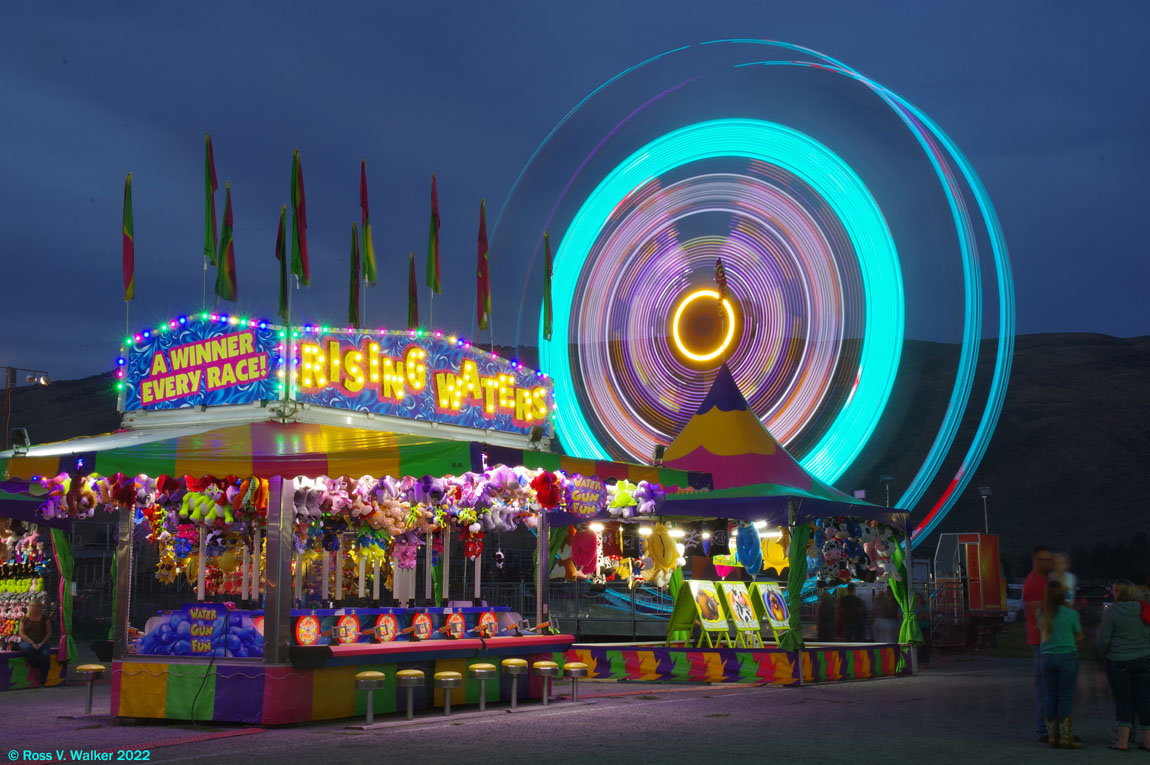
[(960, 708)]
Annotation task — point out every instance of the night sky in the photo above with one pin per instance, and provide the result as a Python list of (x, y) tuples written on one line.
[(1045, 99)]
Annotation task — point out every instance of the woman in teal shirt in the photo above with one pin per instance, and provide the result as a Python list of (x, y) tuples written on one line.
[(1061, 632)]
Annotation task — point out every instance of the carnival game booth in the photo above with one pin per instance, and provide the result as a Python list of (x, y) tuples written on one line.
[(722, 629), (35, 565), (314, 498)]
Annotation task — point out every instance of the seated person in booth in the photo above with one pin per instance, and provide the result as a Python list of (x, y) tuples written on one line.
[(35, 633)]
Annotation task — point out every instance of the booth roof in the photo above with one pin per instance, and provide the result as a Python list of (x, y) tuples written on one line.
[(291, 449), (770, 502), (21, 507)]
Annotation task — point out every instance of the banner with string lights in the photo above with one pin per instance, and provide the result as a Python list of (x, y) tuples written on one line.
[(203, 360), (213, 359)]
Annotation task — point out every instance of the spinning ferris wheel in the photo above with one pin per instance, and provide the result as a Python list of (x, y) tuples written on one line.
[(865, 263)]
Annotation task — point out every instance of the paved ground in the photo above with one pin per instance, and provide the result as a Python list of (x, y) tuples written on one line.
[(960, 709)]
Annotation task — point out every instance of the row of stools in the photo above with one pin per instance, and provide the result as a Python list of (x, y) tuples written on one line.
[(372, 680)]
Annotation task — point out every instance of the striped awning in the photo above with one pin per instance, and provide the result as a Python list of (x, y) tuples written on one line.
[(269, 449)]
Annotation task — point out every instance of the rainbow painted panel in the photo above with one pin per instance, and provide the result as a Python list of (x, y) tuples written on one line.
[(193, 361)]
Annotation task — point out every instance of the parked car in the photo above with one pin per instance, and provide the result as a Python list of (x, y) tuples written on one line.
[(1014, 603)]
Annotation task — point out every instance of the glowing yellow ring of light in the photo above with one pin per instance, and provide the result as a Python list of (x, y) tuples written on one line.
[(691, 297)]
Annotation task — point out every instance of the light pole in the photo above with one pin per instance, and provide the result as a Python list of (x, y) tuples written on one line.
[(34, 376), (984, 492), (887, 480)]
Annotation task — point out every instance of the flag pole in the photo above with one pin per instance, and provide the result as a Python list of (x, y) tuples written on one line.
[(204, 299)]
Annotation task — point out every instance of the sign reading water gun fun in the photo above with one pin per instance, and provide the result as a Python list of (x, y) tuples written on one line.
[(421, 376), (194, 362)]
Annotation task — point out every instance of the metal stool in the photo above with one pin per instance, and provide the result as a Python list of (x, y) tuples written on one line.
[(515, 668), (369, 681), (546, 670), (409, 679), (482, 673), (447, 681), (574, 670), (89, 672)]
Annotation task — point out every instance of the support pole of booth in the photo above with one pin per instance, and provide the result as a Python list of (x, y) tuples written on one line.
[(542, 568), (912, 649), (446, 564), (278, 590), (123, 584), (428, 596)]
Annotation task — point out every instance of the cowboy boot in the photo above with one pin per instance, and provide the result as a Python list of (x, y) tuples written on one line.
[(1052, 732), (1066, 734)]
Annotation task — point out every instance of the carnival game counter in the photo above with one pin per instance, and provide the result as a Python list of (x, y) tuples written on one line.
[(319, 683)]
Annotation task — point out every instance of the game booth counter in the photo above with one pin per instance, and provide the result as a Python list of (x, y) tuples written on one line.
[(720, 628), (35, 565), (299, 510)]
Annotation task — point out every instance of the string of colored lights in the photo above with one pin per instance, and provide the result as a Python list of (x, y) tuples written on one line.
[(578, 259), (297, 332)]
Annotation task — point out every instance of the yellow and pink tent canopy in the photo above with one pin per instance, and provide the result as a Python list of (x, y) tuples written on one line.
[(754, 477)]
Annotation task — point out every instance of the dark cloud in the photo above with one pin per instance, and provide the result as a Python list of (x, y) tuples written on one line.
[(1043, 97)]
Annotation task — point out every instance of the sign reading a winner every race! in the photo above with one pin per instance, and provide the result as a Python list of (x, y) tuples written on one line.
[(216, 360)]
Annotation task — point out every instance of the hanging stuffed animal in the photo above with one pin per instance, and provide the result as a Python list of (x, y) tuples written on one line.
[(660, 556), (749, 548)]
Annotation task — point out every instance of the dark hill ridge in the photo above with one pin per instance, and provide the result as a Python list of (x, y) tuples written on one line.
[(1067, 463)]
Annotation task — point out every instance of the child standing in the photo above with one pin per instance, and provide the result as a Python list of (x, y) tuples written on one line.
[(1061, 632)]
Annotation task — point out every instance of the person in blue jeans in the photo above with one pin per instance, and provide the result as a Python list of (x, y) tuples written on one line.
[(1124, 641), (1061, 632), (35, 634)]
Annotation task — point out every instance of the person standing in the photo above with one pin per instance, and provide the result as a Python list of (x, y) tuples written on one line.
[(1064, 576), (825, 616), (1033, 591), (1061, 632), (922, 616), (1124, 641), (854, 616), (35, 631)]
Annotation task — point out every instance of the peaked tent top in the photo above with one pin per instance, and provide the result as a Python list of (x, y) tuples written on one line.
[(726, 439)]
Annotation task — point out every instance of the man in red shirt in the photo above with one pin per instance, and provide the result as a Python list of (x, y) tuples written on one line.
[(1033, 591)]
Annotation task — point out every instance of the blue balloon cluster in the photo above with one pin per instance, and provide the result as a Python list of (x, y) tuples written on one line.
[(174, 638)]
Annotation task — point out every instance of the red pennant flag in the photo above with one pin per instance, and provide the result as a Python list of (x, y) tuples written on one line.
[(299, 264), (210, 186), (483, 280), (353, 290), (128, 263), (368, 244), (412, 294)]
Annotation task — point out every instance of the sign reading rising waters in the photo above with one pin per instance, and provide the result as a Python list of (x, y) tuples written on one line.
[(421, 377)]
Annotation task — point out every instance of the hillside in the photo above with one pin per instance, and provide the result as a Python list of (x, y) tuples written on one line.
[(1066, 464)]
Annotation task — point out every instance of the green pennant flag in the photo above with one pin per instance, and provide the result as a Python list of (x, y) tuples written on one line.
[(210, 186), (281, 256), (226, 267)]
